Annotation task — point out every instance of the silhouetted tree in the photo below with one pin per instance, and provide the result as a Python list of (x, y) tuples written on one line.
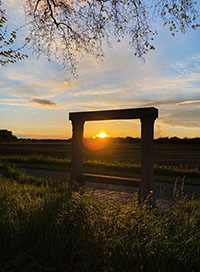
[(7, 136)]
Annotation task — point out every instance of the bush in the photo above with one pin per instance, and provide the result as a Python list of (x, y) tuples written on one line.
[(7, 136)]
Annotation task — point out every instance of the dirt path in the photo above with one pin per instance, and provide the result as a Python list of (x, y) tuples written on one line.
[(124, 194)]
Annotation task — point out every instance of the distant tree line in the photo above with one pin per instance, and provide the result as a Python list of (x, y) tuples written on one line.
[(162, 140), (44, 140), (7, 136), (176, 140)]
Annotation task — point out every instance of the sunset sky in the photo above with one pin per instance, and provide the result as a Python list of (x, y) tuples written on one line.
[(36, 96)]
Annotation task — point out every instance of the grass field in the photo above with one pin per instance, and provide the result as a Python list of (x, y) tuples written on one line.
[(43, 229), (185, 156), (171, 161)]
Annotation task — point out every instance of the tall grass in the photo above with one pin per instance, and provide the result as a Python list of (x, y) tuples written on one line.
[(43, 229)]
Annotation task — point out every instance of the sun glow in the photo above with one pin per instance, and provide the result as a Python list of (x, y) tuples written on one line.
[(102, 134), (97, 142)]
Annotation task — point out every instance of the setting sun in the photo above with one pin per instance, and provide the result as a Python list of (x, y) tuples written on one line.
[(97, 142), (102, 134)]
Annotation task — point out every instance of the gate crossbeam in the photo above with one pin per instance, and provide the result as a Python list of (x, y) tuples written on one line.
[(147, 117)]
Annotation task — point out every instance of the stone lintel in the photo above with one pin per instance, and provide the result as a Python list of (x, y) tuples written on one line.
[(139, 113)]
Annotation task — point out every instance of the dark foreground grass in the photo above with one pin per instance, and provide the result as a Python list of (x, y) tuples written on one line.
[(162, 173), (43, 229)]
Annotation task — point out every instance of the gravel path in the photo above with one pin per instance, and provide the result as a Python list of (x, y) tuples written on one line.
[(124, 194)]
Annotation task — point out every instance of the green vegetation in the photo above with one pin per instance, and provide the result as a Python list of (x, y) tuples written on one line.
[(9, 51), (172, 161), (162, 173), (185, 156), (43, 229)]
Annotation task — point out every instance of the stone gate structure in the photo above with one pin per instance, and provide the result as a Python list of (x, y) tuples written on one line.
[(147, 117)]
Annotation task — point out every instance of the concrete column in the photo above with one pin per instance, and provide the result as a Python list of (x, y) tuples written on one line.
[(77, 163), (147, 134)]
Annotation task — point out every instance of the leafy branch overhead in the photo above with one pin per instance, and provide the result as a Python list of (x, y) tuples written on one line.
[(7, 40), (69, 29)]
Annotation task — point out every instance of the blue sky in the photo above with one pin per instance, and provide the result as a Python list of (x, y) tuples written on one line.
[(36, 96)]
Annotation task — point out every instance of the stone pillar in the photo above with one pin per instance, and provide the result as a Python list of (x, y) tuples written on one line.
[(147, 134), (77, 163)]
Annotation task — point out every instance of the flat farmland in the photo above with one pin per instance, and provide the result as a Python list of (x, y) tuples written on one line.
[(170, 155)]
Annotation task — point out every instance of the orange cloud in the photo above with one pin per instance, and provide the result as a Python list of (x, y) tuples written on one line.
[(188, 102)]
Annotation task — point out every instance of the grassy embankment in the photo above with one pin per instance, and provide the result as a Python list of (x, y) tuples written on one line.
[(162, 173), (42, 229)]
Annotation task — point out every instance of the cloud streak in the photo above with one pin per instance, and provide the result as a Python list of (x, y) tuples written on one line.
[(34, 79), (189, 102), (43, 102)]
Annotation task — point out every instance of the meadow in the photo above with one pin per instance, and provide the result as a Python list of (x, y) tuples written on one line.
[(43, 228), (172, 161), (185, 156)]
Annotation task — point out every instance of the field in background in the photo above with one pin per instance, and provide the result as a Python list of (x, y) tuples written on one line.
[(185, 156)]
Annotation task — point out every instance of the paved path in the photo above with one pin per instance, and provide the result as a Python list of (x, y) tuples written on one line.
[(162, 189)]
